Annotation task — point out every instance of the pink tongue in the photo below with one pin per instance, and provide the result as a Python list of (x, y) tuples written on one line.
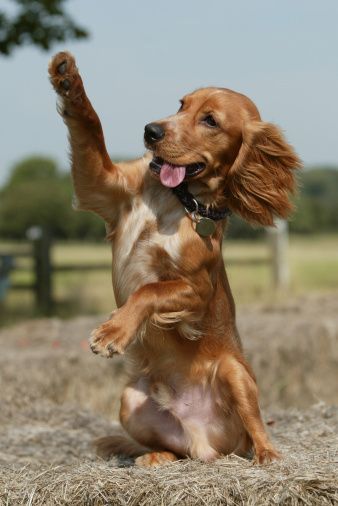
[(171, 175)]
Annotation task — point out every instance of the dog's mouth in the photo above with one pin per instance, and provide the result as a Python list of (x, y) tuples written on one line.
[(173, 175)]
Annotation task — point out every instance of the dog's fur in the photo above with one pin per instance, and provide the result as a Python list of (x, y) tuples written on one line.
[(191, 390)]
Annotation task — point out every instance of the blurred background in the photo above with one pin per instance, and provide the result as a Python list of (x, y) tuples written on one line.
[(137, 59)]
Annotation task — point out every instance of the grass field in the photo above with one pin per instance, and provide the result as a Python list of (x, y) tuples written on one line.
[(313, 265)]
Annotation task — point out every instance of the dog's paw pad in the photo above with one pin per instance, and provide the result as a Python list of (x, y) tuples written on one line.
[(65, 84), (65, 77), (62, 67)]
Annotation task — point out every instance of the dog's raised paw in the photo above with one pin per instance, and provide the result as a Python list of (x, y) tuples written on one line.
[(64, 74)]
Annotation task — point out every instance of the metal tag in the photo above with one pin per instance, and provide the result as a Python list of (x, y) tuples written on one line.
[(205, 227)]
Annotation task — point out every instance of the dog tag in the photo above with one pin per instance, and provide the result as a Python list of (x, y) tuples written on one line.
[(205, 227)]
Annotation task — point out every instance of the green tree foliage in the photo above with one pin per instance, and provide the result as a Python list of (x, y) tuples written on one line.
[(33, 169), (317, 202), (37, 193), (37, 22)]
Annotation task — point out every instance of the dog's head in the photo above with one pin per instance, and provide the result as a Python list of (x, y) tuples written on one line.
[(218, 139)]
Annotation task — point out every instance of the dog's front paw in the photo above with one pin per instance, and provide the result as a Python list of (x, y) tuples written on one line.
[(112, 337), (64, 75)]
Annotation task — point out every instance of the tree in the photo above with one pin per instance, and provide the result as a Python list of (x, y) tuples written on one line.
[(34, 168), (37, 22), (317, 202), (37, 193)]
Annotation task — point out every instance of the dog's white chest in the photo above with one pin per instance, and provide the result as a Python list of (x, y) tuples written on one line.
[(133, 262)]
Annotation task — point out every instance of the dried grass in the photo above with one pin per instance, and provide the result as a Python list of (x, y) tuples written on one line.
[(55, 397), (46, 459)]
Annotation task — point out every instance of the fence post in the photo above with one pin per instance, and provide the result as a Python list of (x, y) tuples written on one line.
[(6, 265), (41, 240), (279, 244)]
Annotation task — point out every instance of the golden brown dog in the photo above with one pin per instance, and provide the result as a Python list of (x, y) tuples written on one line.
[(191, 392)]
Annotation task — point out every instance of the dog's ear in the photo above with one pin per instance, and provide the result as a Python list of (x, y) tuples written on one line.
[(262, 176)]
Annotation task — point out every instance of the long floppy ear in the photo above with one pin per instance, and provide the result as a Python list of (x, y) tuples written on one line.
[(262, 176)]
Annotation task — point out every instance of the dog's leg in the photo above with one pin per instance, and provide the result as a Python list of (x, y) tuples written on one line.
[(100, 185), (235, 376), (152, 427), (164, 297)]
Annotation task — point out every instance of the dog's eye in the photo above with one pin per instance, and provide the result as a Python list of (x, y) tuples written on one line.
[(210, 121), (181, 106)]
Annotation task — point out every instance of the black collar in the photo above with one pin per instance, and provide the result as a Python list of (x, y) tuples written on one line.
[(193, 206)]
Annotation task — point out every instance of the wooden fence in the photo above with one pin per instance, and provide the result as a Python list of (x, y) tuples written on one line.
[(39, 249)]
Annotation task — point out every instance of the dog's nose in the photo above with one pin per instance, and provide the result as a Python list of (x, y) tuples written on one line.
[(153, 132)]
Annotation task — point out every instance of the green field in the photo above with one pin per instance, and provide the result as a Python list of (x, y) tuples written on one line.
[(313, 265)]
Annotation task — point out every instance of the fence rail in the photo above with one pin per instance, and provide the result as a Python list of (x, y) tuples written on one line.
[(40, 247)]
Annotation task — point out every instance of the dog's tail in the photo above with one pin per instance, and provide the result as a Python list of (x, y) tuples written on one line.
[(119, 443)]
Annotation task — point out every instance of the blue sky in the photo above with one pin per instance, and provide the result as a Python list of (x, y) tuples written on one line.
[(143, 55)]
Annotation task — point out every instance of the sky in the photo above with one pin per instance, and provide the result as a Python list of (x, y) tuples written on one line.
[(142, 56)]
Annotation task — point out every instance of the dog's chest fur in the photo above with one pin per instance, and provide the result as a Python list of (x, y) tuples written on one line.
[(150, 228)]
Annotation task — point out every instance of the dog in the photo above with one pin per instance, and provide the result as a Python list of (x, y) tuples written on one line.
[(191, 391)]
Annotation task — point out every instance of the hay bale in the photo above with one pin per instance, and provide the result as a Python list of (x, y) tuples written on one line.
[(56, 397), (293, 349), (50, 359), (46, 459)]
